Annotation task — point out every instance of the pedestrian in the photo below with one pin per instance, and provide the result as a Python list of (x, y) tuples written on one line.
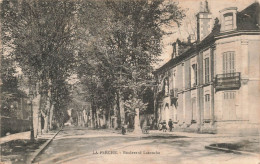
[(124, 129), (164, 128), (170, 124)]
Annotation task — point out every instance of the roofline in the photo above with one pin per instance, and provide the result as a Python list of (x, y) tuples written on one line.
[(205, 43), (228, 8)]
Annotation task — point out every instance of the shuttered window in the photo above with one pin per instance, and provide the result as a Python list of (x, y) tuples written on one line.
[(228, 62), (194, 75), (228, 21), (207, 107), (206, 65)]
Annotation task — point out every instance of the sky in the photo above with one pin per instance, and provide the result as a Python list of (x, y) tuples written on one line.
[(192, 7)]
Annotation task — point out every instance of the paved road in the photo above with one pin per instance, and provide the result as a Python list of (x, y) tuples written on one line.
[(79, 145)]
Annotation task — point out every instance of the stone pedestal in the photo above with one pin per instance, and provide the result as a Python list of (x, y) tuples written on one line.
[(137, 129)]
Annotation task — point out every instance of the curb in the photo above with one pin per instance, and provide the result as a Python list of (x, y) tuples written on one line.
[(230, 151), (43, 147)]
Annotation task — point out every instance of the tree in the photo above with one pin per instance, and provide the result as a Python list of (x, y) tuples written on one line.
[(8, 79), (41, 34), (137, 39), (112, 45), (123, 43)]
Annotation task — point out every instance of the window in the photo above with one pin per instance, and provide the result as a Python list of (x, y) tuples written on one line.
[(207, 107), (193, 108), (194, 75), (228, 18), (214, 67), (207, 98), (228, 62), (166, 87), (206, 61), (173, 79), (170, 81), (229, 95)]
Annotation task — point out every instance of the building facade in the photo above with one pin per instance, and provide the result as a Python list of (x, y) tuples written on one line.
[(212, 85)]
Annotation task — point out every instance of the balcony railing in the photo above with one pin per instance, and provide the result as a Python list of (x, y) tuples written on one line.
[(228, 81), (174, 93)]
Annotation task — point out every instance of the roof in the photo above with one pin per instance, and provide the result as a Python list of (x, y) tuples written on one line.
[(182, 46), (247, 20)]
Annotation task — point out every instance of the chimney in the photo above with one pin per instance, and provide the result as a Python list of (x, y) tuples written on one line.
[(175, 47), (191, 38), (204, 21)]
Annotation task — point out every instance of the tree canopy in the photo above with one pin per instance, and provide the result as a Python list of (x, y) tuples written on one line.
[(111, 45)]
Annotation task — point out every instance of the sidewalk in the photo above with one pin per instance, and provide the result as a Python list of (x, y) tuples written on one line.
[(25, 136), (222, 142), (48, 135), (17, 148), (16, 136)]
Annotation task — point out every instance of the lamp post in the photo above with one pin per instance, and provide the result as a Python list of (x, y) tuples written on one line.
[(31, 117)]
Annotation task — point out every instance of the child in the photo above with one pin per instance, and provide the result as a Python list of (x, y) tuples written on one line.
[(164, 128)]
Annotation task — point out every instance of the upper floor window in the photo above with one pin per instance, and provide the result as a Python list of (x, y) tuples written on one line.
[(228, 62), (174, 79), (206, 72), (194, 75), (207, 97), (228, 21), (166, 87)]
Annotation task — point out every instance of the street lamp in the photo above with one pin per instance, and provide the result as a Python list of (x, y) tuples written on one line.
[(31, 117)]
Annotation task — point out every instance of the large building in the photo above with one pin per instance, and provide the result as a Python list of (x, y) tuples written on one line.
[(211, 84)]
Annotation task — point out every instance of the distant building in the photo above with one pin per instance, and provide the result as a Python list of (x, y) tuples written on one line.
[(15, 104), (212, 84)]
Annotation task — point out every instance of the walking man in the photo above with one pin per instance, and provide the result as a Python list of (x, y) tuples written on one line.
[(170, 124)]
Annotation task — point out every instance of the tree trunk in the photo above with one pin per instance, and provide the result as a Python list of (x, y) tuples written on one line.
[(96, 118), (46, 120), (46, 116), (121, 110), (108, 119), (92, 119), (36, 106), (39, 130), (51, 117), (84, 113), (78, 120)]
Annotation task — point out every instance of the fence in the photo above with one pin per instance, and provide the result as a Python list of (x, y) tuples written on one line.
[(13, 125)]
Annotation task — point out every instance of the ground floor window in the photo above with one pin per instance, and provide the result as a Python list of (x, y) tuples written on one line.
[(207, 107), (229, 95), (193, 108)]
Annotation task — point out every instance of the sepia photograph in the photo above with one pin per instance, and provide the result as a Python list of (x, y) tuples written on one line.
[(130, 81)]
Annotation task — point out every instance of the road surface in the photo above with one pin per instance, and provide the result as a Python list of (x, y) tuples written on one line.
[(81, 145)]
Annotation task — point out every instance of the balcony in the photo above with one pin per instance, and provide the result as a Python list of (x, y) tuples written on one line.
[(174, 93), (228, 81)]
